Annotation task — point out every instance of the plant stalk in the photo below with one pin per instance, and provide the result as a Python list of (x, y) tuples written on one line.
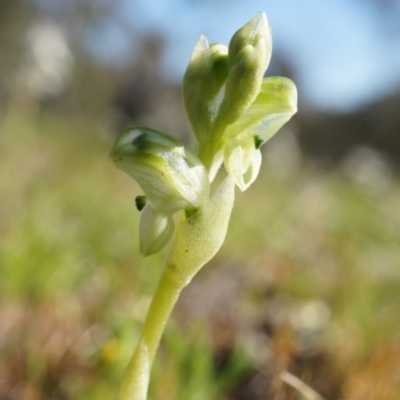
[(196, 241), (135, 381)]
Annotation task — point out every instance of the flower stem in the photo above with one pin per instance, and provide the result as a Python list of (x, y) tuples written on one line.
[(135, 381), (198, 237)]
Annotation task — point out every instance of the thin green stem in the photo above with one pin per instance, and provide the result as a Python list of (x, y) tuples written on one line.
[(136, 378), (197, 239)]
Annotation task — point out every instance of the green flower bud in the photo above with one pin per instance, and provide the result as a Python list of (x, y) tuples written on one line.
[(254, 33), (171, 176), (219, 58), (249, 55), (155, 230), (205, 75)]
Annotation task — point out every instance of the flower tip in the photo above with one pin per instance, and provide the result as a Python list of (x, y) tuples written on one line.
[(258, 27), (202, 45), (262, 18), (261, 26)]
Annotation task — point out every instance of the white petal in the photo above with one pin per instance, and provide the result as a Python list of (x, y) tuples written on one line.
[(155, 230), (242, 161)]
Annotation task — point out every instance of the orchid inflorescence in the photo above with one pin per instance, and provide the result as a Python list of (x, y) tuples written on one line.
[(233, 110)]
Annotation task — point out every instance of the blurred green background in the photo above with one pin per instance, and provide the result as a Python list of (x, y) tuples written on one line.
[(308, 278)]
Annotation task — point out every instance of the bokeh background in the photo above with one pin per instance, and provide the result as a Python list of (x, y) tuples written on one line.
[(308, 279)]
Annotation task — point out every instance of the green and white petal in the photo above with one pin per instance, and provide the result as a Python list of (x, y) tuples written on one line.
[(243, 161), (274, 106), (171, 176), (155, 230)]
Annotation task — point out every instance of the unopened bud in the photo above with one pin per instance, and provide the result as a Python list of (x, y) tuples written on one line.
[(255, 33), (205, 75), (249, 55)]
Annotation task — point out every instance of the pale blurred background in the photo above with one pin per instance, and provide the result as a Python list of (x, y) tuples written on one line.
[(308, 279)]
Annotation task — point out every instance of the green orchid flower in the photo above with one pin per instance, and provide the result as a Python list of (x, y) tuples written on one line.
[(171, 177), (233, 110), (231, 128), (274, 105)]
